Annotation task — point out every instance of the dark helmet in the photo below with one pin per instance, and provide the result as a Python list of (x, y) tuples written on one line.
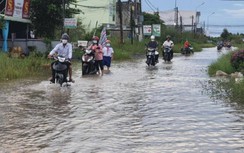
[(65, 36), (168, 37), (95, 38)]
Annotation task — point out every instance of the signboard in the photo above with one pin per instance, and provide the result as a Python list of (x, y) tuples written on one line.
[(156, 30), (82, 43), (18, 8), (147, 30), (70, 23)]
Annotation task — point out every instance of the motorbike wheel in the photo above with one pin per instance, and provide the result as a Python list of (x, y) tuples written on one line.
[(84, 69), (60, 79), (153, 61)]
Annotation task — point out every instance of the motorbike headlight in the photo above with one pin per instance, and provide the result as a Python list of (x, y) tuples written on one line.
[(61, 59)]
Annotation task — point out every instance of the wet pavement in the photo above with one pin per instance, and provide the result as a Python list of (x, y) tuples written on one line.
[(132, 109)]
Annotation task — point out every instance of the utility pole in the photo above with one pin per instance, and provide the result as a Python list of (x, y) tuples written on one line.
[(176, 17), (192, 23), (121, 21), (63, 4), (131, 21), (181, 24)]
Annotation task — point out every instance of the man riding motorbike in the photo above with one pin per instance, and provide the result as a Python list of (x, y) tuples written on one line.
[(168, 43), (65, 49), (153, 44)]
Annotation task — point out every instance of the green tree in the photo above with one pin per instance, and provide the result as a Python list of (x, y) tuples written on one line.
[(225, 34), (150, 19), (47, 16)]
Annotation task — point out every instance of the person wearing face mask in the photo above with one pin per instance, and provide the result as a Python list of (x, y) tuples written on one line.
[(107, 54), (65, 49), (97, 48)]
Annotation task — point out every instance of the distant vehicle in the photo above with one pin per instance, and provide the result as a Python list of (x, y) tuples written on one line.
[(151, 60), (187, 50), (167, 54)]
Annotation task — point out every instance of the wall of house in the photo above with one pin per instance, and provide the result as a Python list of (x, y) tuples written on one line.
[(97, 11), (38, 44)]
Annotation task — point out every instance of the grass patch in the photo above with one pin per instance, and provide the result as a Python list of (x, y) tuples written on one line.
[(15, 68), (223, 64)]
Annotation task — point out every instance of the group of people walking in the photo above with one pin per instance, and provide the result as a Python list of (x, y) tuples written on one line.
[(103, 54)]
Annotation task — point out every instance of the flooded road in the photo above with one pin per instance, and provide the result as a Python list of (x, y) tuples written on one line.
[(133, 109)]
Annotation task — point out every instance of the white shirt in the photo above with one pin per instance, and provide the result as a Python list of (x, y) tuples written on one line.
[(108, 51), (168, 43), (60, 49)]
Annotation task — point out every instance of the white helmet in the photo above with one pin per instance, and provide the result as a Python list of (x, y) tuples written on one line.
[(152, 37)]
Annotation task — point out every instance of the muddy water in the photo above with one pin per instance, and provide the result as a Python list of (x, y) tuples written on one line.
[(133, 109)]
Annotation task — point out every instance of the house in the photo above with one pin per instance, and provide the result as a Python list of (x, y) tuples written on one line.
[(97, 13), (185, 20)]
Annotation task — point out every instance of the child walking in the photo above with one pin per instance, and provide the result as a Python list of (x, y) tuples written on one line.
[(107, 54)]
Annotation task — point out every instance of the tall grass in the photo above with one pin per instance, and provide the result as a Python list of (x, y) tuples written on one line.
[(13, 68), (223, 64)]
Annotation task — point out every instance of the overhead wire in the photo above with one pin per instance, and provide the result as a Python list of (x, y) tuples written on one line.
[(149, 5), (152, 5)]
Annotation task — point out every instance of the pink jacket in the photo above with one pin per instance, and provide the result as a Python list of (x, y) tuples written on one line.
[(98, 51)]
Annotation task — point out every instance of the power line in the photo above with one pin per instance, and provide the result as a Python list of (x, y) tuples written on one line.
[(152, 5), (149, 5), (95, 7)]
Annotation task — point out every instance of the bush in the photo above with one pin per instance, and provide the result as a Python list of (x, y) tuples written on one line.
[(237, 60), (223, 63)]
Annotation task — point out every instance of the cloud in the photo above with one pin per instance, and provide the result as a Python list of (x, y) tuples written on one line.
[(238, 4), (239, 13)]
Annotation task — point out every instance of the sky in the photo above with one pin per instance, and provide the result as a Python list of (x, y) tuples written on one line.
[(213, 12)]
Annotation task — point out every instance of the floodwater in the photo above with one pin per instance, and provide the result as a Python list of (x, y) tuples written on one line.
[(133, 109)]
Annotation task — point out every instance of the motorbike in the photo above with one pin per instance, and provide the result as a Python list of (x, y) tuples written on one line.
[(219, 47), (167, 54), (61, 70), (88, 62), (187, 50), (151, 53)]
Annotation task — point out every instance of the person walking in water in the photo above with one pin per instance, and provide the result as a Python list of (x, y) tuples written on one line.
[(107, 54)]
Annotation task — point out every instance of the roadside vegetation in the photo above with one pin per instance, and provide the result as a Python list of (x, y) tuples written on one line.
[(231, 62), (15, 68)]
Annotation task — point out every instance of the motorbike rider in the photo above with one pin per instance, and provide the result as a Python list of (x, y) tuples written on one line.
[(65, 49), (153, 44), (168, 43), (186, 45), (97, 48)]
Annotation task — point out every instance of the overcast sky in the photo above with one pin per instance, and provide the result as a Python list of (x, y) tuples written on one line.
[(225, 12)]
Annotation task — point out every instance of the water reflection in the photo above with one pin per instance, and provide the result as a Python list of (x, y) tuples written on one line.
[(130, 110)]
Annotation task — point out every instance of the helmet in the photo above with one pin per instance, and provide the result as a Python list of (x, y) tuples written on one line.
[(95, 38), (108, 41), (168, 37), (152, 37), (65, 36)]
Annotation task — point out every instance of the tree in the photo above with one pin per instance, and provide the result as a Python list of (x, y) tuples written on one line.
[(150, 19), (225, 34), (47, 16)]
